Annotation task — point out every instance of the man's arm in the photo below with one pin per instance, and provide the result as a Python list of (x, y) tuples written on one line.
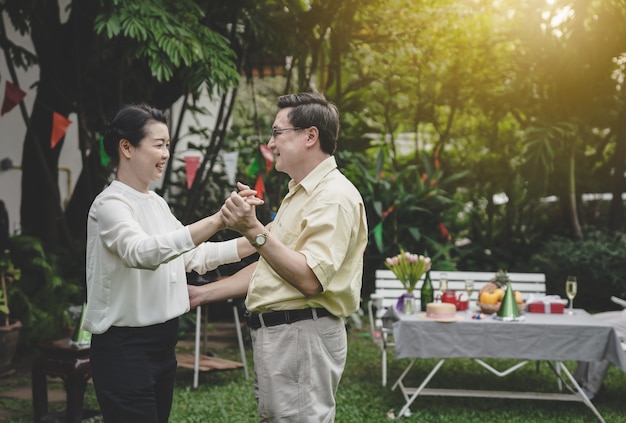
[(231, 287), (291, 265)]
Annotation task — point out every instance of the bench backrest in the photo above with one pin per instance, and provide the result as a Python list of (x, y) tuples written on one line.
[(388, 288)]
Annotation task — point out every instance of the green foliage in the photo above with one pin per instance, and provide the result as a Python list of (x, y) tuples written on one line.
[(171, 35), (8, 274), (598, 262), (406, 207), (42, 296)]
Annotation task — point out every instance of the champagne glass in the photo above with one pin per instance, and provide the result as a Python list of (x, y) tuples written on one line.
[(469, 289), (443, 282), (571, 287), (443, 286)]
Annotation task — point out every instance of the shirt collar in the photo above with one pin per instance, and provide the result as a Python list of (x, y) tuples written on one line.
[(315, 177)]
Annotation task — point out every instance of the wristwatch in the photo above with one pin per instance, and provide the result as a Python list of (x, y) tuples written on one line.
[(260, 240)]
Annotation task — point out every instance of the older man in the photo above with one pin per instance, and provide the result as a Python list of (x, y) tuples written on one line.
[(310, 271)]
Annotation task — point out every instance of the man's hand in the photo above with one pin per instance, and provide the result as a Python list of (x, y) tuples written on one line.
[(234, 286), (238, 212), (195, 296)]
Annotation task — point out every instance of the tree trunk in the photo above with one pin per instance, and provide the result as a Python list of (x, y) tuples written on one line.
[(616, 210), (40, 210), (573, 203), (58, 48)]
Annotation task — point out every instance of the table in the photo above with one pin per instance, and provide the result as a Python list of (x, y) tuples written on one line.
[(550, 337), (61, 359)]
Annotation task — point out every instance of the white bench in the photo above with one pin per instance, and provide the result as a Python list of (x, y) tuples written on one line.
[(388, 289)]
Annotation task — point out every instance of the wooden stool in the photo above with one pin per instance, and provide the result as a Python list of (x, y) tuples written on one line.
[(60, 359)]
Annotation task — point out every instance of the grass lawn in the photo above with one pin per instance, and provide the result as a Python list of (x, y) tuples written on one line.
[(227, 397)]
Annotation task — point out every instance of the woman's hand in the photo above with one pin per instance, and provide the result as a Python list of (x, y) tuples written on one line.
[(249, 195)]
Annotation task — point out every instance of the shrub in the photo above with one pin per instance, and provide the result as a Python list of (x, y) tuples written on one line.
[(598, 261)]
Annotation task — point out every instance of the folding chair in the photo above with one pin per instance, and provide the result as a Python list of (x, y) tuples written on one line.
[(242, 351), (382, 336)]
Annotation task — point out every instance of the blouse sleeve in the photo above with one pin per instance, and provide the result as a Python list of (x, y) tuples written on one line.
[(210, 255), (120, 230)]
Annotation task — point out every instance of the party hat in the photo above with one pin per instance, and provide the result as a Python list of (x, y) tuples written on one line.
[(508, 308), (81, 338)]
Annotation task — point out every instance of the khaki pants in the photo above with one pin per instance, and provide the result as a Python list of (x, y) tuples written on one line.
[(297, 370)]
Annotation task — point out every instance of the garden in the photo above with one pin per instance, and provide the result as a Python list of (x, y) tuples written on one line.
[(484, 136)]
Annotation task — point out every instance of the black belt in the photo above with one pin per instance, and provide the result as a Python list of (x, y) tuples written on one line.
[(274, 318)]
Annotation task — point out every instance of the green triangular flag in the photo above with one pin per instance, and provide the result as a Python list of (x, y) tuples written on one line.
[(254, 167), (104, 157), (378, 236)]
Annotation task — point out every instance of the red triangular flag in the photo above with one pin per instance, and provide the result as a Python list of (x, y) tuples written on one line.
[(191, 167), (444, 231), (259, 187), (12, 97), (59, 126), (268, 156)]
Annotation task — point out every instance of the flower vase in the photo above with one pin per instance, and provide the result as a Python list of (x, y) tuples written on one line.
[(408, 304)]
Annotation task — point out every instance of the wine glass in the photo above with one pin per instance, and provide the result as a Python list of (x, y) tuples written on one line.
[(469, 288), (571, 288), (443, 282)]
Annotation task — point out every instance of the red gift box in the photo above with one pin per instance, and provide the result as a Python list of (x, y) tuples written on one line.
[(549, 308)]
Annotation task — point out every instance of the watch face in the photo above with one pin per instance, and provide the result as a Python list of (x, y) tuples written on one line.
[(260, 239)]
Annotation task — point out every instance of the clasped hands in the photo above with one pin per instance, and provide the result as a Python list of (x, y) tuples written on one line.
[(238, 211)]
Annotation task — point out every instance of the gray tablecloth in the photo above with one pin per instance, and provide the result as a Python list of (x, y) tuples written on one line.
[(538, 337)]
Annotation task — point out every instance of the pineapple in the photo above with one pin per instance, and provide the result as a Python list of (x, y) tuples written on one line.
[(501, 279)]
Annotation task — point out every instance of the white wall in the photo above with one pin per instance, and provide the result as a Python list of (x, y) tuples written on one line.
[(13, 131)]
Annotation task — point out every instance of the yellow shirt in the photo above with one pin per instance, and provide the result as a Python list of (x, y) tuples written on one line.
[(323, 218)]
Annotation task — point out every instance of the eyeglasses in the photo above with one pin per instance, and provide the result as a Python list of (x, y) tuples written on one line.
[(276, 131)]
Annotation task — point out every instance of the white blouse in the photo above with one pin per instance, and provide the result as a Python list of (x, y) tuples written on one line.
[(138, 255)]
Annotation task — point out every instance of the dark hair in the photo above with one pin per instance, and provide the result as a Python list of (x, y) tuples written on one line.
[(129, 124), (312, 109)]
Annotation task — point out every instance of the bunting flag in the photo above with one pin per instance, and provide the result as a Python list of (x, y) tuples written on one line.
[(12, 97), (230, 165), (389, 210), (259, 187), (378, 236), (254, 167), (268, 156), (191, 167), (104, 157), (444, 231), (59, 126)]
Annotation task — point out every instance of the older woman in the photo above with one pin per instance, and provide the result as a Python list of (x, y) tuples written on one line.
[(138, 254)]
